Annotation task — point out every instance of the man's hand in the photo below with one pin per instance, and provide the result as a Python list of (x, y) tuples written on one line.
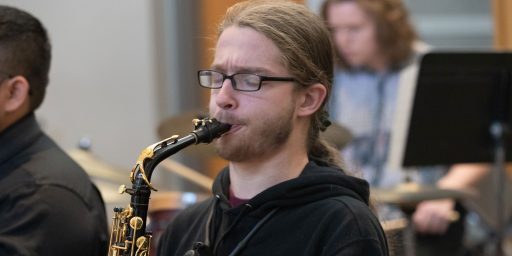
[(434, 216)]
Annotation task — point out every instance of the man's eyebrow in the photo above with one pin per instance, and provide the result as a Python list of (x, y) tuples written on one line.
[(254, 70), (250, 70)]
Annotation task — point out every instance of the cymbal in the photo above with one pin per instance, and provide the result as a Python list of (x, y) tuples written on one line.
[(182, 125), (106, 177), (110, 192), (337, 135), (97, 168), (410, 194)]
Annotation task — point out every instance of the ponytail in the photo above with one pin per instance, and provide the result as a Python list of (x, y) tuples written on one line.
[(318, 147), (321, 149)]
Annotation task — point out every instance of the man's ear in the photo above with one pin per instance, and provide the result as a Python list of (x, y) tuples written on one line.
[(17, 94), (311, 99)]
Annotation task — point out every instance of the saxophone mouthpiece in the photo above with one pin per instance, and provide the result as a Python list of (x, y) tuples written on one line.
[(209, 129)]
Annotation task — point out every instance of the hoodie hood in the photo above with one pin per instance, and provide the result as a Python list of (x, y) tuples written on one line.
[(317, 181), (325, 209)]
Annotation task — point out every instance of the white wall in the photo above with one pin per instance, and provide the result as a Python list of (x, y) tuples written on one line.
[(103, 79)]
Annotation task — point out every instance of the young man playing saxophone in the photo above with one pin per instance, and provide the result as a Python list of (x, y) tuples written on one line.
[(283, 192)]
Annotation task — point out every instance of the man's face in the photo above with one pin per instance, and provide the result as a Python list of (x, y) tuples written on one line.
[(262, 120), (354, 33)]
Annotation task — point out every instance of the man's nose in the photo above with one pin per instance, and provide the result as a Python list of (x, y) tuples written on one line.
[(225, 96)]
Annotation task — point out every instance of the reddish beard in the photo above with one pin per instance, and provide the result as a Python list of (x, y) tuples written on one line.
[(256, 138)]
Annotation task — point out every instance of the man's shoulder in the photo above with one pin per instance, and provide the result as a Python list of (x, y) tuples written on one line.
[(342, 203), (187, 226), (355, 213), (44, 165), (51, 165), (196, 210)]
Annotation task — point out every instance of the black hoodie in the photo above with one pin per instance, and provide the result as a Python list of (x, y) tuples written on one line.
[(321, 212)]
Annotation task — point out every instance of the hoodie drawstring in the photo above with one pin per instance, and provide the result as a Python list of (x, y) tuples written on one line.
[(258, 225), (242, 213)]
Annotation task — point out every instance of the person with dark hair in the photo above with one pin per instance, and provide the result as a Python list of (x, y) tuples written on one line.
[(283, 192), (377, 52), (49, 206)]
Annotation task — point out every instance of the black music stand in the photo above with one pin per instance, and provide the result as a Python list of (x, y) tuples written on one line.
[(461, 113)]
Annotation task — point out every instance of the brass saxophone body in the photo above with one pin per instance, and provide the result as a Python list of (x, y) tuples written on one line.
[(128, 234)]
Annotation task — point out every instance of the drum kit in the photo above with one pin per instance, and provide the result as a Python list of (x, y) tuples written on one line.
[(166, 204)]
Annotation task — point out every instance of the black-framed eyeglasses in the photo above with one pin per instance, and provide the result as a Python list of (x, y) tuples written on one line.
[(245, 82)]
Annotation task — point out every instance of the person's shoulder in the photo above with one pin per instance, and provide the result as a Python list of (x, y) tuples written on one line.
[(346, 203), (54, 171), (18, 184), (347, 215), (52, 165), (355, 213), (185, 227), (194, 213)]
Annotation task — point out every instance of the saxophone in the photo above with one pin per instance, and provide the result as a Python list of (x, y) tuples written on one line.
[(128, 235)]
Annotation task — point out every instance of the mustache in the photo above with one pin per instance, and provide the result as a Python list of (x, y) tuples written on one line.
[(226, 117)]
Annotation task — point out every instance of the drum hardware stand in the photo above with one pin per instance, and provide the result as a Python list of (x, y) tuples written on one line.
[(409, 233), (499, 132)]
